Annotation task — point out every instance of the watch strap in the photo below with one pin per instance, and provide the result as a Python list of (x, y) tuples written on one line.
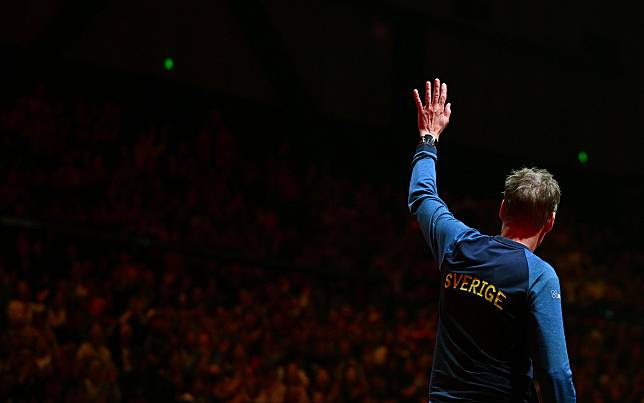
[(428, 139)]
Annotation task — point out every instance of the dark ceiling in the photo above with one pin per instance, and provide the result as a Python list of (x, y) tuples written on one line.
[(540, 80)]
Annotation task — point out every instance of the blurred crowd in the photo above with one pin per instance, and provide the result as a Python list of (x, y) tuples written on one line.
[(115, 329), (91, 315)]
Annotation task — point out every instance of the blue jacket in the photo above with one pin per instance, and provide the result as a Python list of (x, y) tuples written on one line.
[(500, 317)]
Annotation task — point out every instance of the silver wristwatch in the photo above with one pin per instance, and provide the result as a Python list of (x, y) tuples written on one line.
[(428, 139)]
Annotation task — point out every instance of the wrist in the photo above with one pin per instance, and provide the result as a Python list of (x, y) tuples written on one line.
[(428, 131), (429, 139), (424, 133)]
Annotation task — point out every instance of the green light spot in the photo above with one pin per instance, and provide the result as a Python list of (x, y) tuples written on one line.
[(168, 63), (582, 157)]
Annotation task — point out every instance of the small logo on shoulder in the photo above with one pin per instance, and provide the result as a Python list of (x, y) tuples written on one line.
[(555, 294)]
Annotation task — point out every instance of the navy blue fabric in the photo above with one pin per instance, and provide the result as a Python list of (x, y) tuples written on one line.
[(499, 308)]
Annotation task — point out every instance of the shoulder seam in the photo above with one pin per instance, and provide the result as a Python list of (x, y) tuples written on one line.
[(527, 267), (457, 241)]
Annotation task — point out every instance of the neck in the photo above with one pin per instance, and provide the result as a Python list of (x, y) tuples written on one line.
[(528, 238)]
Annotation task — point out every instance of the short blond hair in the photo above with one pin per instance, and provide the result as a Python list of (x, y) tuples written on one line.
[(530, 196)]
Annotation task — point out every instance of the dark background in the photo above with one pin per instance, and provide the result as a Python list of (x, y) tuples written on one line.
[(305, 109), (536, 82)]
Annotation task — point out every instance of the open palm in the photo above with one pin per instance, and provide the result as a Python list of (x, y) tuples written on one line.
[(433, 117)]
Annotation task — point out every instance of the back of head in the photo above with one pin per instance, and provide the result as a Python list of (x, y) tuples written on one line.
[(530, 196)]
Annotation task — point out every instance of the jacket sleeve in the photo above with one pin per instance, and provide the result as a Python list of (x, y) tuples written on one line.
[(549, 342), (440, 228)]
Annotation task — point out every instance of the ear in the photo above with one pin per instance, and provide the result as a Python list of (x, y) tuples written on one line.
[(502, 210), (550, 222)]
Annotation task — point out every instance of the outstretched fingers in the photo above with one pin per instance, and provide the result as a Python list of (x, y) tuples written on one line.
[(437, 91), (419, 103), (443, 97), (428, 94)]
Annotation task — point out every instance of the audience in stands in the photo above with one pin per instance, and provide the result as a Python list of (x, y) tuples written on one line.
[(88, 317)]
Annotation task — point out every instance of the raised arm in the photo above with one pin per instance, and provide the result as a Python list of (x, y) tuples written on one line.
[(440, 228)]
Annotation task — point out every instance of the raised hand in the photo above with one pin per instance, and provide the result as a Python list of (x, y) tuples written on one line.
[(433, 117)]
